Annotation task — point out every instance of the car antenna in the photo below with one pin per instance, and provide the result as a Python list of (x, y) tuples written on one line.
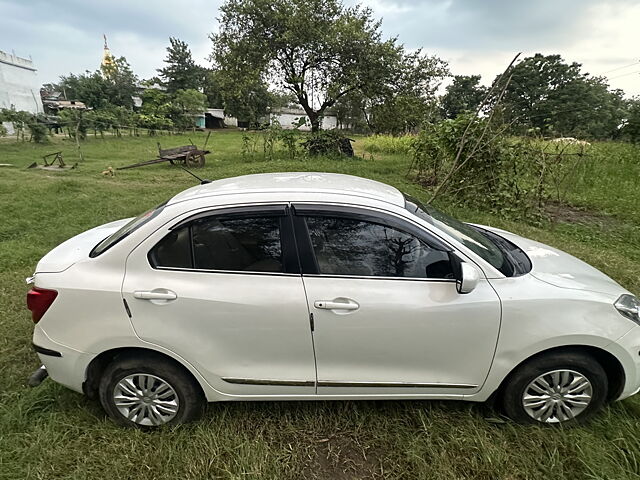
[(203, 181)]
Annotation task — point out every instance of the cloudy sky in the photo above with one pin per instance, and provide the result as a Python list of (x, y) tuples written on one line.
[(475, 36)]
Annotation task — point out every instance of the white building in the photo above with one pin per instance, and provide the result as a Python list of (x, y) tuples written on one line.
[(290, 118), (19, 86)]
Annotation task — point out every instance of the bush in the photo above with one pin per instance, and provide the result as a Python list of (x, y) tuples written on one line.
[(476, 163), (328, 142), (38, 129)]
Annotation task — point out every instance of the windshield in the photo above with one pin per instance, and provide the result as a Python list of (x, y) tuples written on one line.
[(126, 230), (469, 236)]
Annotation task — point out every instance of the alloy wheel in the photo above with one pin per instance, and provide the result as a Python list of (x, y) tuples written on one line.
[(146, 399), (557, 396)]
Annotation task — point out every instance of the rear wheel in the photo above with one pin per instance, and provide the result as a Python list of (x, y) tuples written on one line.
[(563, 388), (149, 391)]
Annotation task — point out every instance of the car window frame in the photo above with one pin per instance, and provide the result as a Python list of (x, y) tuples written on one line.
[(290, 258), (308, 262)]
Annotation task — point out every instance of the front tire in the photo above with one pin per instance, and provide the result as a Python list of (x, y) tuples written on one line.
[(149, 391), (564, 388)]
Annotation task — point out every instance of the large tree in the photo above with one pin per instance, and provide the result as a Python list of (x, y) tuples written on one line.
[(319, 50), (409, 100), (180, 72), (464, 94), (559, 99)]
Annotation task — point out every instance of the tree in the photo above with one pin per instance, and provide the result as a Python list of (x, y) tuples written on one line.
[(409, 101), (190, 101), (99, 91), (211, 88), (318, 50), (180, 72), (558, 99), (631, 129), (154, 102), (463, 95)]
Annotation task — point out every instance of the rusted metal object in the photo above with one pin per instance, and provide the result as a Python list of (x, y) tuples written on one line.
[(51, 164)]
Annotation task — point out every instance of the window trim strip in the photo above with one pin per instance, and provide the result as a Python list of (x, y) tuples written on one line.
[(236, 272)]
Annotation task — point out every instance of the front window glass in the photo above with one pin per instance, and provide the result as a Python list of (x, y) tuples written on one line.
[(173, 251), (349, 246), (509, 259)]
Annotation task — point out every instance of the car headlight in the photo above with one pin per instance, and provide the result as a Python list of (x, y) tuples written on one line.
[(629, 306)]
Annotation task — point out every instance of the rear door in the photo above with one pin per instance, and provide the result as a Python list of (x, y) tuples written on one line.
[(223, 291), (387, 316)]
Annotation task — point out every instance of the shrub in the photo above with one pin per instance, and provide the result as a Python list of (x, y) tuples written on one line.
[(476, 163), (328, 142)]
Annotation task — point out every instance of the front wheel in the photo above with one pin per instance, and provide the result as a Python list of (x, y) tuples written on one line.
[(149, 391), (563, 388)]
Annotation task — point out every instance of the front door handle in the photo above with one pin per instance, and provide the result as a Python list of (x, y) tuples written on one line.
[(333, 305), (158, 294)]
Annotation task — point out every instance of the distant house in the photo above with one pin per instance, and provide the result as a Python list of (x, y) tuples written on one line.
[(216, 118), (290, 118), (54, 105), (19, 85)]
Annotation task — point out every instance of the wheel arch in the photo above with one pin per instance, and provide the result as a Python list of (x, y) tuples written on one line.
[(612, 366), (97, 366)]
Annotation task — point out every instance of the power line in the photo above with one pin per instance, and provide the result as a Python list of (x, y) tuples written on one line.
[(624, 74), (620, 68)]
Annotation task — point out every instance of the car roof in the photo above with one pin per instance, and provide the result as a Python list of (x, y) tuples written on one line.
[(295, 182)]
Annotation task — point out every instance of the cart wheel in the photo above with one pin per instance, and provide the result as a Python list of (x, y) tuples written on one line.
[(194, 160)]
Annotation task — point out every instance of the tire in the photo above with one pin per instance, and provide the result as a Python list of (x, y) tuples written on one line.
[(555, 389), (151, 391)]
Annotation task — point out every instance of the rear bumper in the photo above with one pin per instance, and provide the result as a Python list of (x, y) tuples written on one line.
[(64, 365), (46, 351)]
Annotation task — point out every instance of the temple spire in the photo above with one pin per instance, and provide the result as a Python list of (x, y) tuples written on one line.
[(108, 63)]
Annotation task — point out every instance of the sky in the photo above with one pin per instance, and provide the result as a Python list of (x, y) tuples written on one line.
[(474, 36)]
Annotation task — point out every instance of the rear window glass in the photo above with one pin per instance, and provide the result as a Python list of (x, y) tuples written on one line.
[(239, 244), (126, 230)]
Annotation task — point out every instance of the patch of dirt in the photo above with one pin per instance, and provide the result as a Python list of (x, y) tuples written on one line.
[(563, 213), (341, 457)]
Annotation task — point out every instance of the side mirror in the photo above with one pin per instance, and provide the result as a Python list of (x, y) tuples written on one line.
[(469, 278), (466, 275)]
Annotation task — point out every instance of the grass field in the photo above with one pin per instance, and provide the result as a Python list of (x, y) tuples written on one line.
[(50, 432)]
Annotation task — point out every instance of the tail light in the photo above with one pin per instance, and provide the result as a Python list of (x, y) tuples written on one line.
[(39, 300)]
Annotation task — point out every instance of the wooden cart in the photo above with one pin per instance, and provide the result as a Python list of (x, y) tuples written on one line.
[(187, 155)]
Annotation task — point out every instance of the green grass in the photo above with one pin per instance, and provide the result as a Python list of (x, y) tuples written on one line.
[(387, 144), (51, 432)]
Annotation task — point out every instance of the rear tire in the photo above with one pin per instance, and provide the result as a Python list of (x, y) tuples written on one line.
[(565, 388), (145, 391)]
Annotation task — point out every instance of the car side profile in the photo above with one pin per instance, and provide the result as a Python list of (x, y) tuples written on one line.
[(311, 286)]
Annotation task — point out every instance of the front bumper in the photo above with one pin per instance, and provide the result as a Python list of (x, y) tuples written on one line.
[(627, 350)]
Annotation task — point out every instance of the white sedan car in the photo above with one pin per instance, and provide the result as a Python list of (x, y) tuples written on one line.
[(308, 286)]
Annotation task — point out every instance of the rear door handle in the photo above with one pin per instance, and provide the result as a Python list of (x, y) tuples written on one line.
[(333, 305), (158, 294)]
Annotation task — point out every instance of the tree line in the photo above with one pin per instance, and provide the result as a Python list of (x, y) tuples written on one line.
[(325, 57)]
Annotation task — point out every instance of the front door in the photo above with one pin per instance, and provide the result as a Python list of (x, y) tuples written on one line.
[(387, 316), (223, 292)]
